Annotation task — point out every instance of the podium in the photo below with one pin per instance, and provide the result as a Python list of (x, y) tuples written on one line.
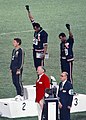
[(30, 92), (28, 107), (79, 103), (11, 108), (50, 111)]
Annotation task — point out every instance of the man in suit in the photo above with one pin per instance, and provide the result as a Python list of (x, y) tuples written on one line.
[(65, 94), (42, 83)]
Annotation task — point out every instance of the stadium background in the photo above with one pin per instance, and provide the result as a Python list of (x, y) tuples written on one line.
[(52, 15)]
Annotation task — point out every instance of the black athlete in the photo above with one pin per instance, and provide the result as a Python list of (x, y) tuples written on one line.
[(39, 41), (66, 53)]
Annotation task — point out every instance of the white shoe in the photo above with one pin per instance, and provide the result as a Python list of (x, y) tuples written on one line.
[(19, 98)]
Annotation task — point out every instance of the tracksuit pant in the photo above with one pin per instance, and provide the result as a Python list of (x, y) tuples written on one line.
[(37, 61), (67, 66), (17, 81)]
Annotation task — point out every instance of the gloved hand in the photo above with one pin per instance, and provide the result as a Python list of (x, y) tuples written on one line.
[(27, 7), (68, 26)]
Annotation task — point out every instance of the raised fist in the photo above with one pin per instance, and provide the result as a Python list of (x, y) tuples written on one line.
[(68, 26), (27, 7)]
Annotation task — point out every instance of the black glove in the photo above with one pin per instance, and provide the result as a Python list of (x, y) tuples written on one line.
[(27, 7), (68, 26)]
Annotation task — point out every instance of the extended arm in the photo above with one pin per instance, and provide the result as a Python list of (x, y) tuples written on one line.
[(29, 14), (69, 30)]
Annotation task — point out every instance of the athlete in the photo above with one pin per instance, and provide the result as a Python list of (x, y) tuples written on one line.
[(40, 41), (16, 66), (66, 53)]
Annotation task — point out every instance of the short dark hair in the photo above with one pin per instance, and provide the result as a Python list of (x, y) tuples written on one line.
[(36, 25), (18, 40), (62, 34)]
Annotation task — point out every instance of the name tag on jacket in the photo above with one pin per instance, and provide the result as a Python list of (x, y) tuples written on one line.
[(40, 82), (64, 91)]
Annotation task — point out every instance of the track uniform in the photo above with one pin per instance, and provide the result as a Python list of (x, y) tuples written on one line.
[(39, 41), (66, 57), (17, 62)]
